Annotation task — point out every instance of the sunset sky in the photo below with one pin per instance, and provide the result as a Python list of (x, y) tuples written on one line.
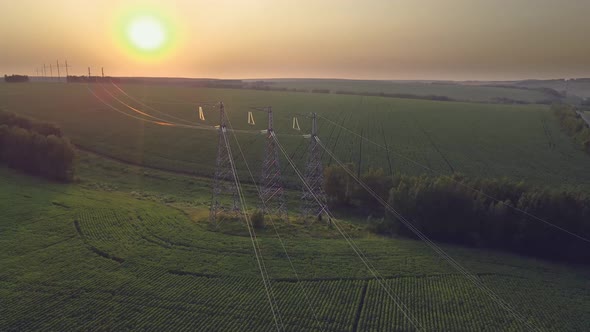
[(370, 39)]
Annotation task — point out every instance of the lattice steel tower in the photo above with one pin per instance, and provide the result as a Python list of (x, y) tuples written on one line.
[(225, 193), (272, 192), (314, 176)]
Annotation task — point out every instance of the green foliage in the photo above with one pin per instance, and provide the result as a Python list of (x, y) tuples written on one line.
[(442, 91), (16, 78), (473, 138), (80, 259), (460, 210), (338, 186), (91, 257), (43, 128), (573, 124), (447, 209), (342, 190), (380, 183), (257, 219), (31, 146)]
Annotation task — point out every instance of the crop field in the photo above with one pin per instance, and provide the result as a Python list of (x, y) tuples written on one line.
[(579, 87), (452, 90), (410, 136), (84, 258)]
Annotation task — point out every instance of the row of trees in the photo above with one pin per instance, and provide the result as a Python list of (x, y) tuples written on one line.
[(16, 78), (44, 128), (92, 79), (35, 147), (573, 124), (500, 213)]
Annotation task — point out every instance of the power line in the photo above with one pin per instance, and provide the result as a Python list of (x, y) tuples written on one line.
[(460, 183), (401, 156), (259, 260), (355, 248), (242, 204), (350, 242), (430, 243), (152, 108), (274, 226)]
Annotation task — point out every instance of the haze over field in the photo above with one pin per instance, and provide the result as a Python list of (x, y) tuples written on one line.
[(375, 39)]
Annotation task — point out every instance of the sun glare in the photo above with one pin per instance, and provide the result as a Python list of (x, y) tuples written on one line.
[(146, 33)]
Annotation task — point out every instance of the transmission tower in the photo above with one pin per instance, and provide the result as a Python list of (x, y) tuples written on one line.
[(314, 177), (272, 192), (224, 184)]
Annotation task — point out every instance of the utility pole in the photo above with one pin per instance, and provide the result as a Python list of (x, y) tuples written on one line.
[(224, 181), (51, 71), (58, 73), (88, 73), (67, 73), (272, 192), (314, 177), (102, 69), (44, 71)]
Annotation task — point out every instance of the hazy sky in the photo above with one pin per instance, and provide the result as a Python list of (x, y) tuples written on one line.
[(380, 39)]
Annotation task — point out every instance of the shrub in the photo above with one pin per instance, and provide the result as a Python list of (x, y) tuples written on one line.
[(257, 219)]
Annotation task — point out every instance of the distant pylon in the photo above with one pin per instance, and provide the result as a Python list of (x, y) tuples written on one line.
[(224, 185), (102, 70), (272, 192), (314, 177)]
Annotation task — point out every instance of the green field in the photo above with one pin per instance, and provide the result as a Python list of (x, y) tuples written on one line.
[(128, 247), (519, 142), (451, 90), (579, 87), (112, 254)]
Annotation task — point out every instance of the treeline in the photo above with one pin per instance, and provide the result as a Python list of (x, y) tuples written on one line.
[(92, 79), (552, 95), (397, 95), (37, 148), (447, 209), (16, 78), (510, 101), (573, 124)]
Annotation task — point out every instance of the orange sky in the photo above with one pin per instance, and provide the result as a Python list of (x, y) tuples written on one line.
[(372, 39)]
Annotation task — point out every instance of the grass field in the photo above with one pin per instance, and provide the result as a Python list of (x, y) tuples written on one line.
[(452, 90), (128, 247), (104, 254), (520, 142)]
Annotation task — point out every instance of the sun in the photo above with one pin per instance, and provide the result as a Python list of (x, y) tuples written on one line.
[(146, 33)]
